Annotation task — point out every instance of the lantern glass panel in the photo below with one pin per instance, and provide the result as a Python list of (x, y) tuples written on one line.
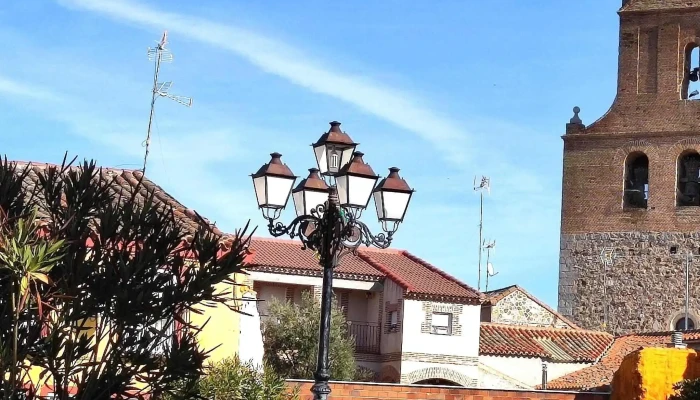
[(320, 153), (354, 191), (391, 206), (278, 190)]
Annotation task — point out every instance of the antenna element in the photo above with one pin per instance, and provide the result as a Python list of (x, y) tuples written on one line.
[(159, 55)]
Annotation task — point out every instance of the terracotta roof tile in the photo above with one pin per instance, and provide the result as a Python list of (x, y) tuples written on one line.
[(494, 296), (288, 255), (599, 375), (124, 182), (422, 277), (567, 345), (410, 272)]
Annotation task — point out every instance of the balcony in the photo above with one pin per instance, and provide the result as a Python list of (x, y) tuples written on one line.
[(366, 336)]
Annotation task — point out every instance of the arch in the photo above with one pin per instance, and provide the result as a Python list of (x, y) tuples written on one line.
[(691, 70), (446, 374), (681, 324), (677, 322), (636, 184), (688, 178)]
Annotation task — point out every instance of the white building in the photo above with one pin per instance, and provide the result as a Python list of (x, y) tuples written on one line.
[(411, 321)]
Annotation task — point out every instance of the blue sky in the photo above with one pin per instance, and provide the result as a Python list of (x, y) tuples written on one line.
[(445, 91)]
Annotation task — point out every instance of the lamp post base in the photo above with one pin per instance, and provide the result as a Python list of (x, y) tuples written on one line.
[(321, 390)]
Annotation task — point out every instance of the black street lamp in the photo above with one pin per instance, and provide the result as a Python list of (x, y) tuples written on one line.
[(328, 208)]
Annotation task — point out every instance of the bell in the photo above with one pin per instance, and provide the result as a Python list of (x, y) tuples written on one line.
[(693, 76)]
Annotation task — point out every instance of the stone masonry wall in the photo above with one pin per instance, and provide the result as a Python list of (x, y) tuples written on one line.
[(518, 309), (644, 285)]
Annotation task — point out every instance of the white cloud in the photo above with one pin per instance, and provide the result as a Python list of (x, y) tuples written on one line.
[(13, 88), (280, 59)]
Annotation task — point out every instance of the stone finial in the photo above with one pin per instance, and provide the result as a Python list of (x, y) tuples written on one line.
[(575, 124), (575, 119)]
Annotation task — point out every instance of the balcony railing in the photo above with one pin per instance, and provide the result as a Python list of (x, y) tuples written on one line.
[(366, 336)]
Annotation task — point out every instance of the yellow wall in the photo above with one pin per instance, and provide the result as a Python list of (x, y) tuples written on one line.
[(223, 327), (222, 330), (649, 374)]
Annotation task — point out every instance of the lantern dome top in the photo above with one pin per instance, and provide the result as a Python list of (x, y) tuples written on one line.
[(275, 167), (312, 182), (357, 166), (393, 182), (335, 135)]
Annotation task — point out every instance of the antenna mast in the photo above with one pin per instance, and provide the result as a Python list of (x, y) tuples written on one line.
[(160, 54), (484, 185), (489, 267)]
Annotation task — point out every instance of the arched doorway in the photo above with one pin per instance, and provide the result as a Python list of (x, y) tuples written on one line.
[(439, 374)]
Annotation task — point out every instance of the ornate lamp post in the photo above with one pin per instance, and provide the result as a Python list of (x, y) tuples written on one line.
[(328, 204)]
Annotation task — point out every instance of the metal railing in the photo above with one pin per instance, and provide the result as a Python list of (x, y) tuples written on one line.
[(366, 336)]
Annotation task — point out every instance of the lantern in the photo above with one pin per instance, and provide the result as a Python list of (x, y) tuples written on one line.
[(355, 183), (273, 182), (333, 150), (310, 193), (391, 197)]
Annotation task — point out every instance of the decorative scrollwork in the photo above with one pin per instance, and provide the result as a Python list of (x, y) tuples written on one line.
[(332, 226)]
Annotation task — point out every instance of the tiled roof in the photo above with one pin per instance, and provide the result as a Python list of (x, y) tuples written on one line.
[(421, 276), (415, 275), (124, 181), (494, 296), (599, 375), (288, 255), (655, 5), (564, 345)]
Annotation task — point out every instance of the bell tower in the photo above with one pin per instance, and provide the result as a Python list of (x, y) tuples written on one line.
[(630, 220)]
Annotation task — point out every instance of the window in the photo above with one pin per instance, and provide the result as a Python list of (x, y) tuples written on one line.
[(393, 321), (680, 324), (692, 78), (688, 179), (334, 160), (636, 181), (442, 324)]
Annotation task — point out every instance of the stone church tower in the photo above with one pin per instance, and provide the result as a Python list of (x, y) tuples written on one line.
[(631, 182)]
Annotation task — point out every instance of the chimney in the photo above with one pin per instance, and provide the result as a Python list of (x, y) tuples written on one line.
[(677, 340)]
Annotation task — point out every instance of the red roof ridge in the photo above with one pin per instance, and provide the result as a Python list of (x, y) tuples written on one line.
[(438, 271), (384, 270), (277, 240), (41, 164), (388, 250), (546, 329), (658, 333)]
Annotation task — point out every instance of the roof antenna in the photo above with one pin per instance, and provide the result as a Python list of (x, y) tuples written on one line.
[(490, 272), (160, 54), (484, 185)]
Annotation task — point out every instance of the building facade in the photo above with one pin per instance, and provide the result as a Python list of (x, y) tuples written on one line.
[(631, 191), (412, 323)]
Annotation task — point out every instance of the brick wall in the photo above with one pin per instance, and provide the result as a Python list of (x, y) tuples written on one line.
[(381, 391), (650, 115)]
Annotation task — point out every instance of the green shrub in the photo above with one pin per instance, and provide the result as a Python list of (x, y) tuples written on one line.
[(291, 340), (688, 389), (232, 379)]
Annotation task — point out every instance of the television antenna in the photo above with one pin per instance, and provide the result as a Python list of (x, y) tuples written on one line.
[(484, 185), (490, 272), (159, 55)]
